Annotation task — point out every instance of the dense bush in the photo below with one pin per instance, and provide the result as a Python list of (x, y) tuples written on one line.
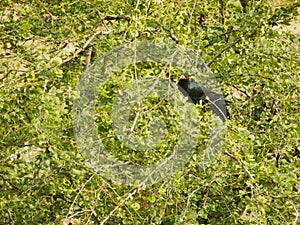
[(46, 47)]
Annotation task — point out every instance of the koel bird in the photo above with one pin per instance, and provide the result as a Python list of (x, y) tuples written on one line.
[(197, 92)]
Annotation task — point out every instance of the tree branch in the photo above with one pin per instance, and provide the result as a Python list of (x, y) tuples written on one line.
[(13, 70), (118, 17), (283, 196), (119, 205), (296, 215), (241, 163), (87, 43), (223, 50)]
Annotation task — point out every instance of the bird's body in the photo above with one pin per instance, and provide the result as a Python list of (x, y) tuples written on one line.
[(196, 93), (192, 90)]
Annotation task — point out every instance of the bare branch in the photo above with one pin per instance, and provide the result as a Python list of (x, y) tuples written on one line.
[(283, 196), (13, 70), (118, 17), (79, 192), (87, 43), (191, 14), (119, 205), (221, 35), (10, 183), (172, 36), (88, 58), (241, 163), (222, 9), (240, 90), (296, 215), (223, 50)]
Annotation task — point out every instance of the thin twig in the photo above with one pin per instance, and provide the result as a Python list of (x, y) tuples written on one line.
[(224, 34), (88, 57), (135, 121), (118, 17), (283, 196), (222, 7), (188, 201), (13, 70), (10, 183), (87, 43), (191, 14), (297, 215), (223, 50), (241, 163), (95, 215), (141, 184), (119, 205), (172, 36), (278, 56), (240, 90), (79, 192), (254, 75)]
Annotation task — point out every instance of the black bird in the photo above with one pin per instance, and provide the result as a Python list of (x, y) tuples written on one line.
[(197, 92)]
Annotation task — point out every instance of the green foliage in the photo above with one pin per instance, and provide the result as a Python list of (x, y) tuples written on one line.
[(45, 48)]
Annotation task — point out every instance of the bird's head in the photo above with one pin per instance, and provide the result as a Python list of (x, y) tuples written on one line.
[(186, 76)]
